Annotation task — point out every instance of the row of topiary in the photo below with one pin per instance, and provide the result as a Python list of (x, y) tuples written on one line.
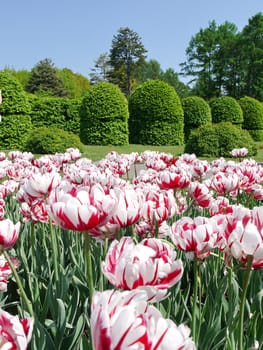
[(154, 115), (246, 113)]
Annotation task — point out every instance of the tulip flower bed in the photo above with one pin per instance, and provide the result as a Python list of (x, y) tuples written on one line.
[(93, 258)]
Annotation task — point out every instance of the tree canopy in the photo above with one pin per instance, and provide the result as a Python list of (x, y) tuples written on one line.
[(44, 80), (127, 57)]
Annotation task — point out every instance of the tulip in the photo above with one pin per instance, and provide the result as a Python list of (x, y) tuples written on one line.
[(128, 210), (5, 271), (124, 320), (200, 193), (8, 233), (40, 185), (194, 236), (239, 152), (224, 183), (81, 208), (243, 230), (173, 178), (14, 333), (150, 265)]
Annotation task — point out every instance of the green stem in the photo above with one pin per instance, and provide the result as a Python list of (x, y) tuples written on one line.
[(195, 296), (54, 249), (243, 302), (19, 284), (33, 246), (230, 335), (88, 262)]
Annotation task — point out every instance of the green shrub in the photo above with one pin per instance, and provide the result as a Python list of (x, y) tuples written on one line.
[(62, 113), (226, 109), (253, 116), (104, 116), (196, 113), (231, 136), (47, 111), (257, 135), (218, 140), (52, 140), (156, 115), (71, 110), (14, 97), (203, 141), (14, 131)]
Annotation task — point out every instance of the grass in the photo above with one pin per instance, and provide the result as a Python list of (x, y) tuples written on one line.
[(99, 152)]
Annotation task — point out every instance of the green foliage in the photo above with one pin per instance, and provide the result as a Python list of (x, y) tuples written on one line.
[(56, 112), (71, 110), (252, 112), (172, 78), (203, 141), (52, 140), (196, 113), (14, 131), (127, 57), (156, 115), (217, 140), (14, 99), (44, 80), (47, 111), (226, 109), (76, 85), (21, 76), (104, 116), (210, 57), (257, 135), (231, 136)]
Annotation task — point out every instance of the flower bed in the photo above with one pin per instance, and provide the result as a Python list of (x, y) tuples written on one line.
[(93, 258)]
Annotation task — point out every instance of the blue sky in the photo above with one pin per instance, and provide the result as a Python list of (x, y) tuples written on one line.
[(74, 33)]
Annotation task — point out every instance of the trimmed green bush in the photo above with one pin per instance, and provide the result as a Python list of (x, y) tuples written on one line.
[(104, 116), (231, 136), (15, 124), (62, 113), (52, 140), (156, 115), (47, 111), (71, 110), (14, 98), (226, 109), (203, 141), (253, 116), (14, 131), (196, 113), (218, 140)]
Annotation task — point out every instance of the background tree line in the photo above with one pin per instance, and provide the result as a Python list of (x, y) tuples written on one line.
[(220, 60)]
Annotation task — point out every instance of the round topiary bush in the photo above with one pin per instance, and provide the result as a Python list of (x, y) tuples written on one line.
[(226, 109), (14, 98), (15, 123), (52, 140), (104, 116), (196, 113), (203, 141), (156, 115), (231, 136), (14, 131), (253, 116), (218, 140)]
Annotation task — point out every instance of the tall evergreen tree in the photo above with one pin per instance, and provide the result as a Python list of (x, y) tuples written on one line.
[(209, 59), (127, 57), (252, 63), (44, 80)]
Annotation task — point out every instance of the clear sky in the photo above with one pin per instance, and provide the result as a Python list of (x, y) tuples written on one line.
[(73, 33)]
